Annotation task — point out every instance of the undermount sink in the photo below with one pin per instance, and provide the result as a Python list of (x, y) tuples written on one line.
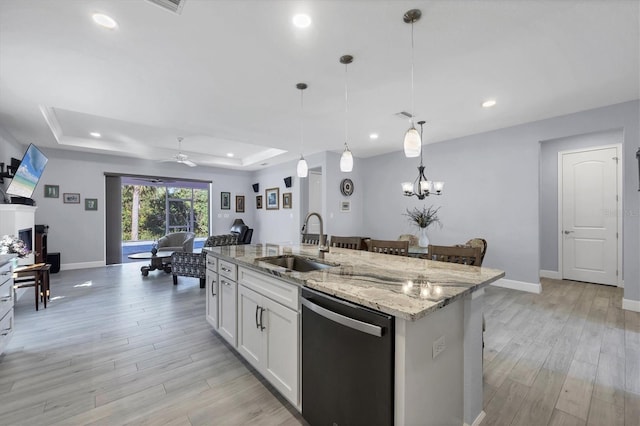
[(295, 263)]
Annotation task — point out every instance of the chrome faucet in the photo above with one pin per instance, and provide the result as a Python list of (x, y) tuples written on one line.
[(322, 244)]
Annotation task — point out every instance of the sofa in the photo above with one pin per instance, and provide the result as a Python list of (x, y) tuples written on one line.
[(177, 241), (194, 264)]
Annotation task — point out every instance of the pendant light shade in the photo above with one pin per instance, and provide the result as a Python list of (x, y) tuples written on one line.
[(303, 168), (412, 143), (346, 161)]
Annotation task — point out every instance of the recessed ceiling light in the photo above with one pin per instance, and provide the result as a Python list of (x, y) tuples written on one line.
[(95, 134), (229, 154), (104, 20), (373, 136), (489, 103), (301, 20)]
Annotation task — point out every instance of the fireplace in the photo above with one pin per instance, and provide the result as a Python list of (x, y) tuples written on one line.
[(26, 235)]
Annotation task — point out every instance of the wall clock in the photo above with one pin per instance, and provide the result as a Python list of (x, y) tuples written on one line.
[(346, 187)]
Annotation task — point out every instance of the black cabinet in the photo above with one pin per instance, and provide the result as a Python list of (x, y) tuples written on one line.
[(40, 249)]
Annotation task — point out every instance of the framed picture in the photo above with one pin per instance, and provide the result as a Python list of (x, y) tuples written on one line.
[(225, 200), (91, 204), (286, 200), (71, 198), (240, 203), (273, 198), (345, 206), (258, 201), (51, 191)]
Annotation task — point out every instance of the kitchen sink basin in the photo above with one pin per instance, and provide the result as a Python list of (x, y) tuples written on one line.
[(296, 263)]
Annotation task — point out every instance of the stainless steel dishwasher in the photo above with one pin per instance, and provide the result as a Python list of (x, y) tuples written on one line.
[(347, 362)]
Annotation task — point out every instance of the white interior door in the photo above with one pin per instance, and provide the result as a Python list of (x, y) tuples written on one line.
[(589, 225), (315, 200)]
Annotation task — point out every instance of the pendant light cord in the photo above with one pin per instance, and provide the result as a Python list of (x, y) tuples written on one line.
[(413, 102), (346, 106), (301, 120)]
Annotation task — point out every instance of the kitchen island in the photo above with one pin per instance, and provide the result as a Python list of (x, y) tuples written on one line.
[(437, 309)]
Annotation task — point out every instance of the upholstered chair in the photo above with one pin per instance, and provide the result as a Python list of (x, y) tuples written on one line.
[(177, 241), (194, 264)]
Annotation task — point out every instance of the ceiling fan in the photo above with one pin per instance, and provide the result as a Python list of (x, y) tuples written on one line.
[(182, 158)]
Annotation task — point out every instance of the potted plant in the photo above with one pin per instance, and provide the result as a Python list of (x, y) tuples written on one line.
[(423, 218)]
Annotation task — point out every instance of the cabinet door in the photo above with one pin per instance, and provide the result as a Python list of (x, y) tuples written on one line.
[(249, 333), (280, 357), (212, 299), (227, 310)]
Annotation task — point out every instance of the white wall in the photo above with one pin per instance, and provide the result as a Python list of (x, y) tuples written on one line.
[(79, 235), (492, 190)]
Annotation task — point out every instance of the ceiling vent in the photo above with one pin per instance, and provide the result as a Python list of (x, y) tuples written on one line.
[(403, 114), (174, 6)]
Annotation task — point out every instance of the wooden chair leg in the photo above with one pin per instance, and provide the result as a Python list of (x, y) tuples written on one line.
[(202, 282), (175, 280)]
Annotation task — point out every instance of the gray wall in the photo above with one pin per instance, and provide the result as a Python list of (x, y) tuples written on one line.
[(549, 188), (492, 189), (79, 235), (283, 225), (9, 147)]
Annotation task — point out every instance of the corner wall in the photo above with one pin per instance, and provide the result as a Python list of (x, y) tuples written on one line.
[(492, 190)]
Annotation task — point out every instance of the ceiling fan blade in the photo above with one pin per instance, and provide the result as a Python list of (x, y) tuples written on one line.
[(188, 163)]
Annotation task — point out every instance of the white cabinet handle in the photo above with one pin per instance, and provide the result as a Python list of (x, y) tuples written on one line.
[(6, 299), (213, 282), (225, 269), (225, 283)]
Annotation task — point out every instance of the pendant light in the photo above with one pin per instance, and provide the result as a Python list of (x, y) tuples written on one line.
[(302, 169), (346, 161), (412, 139)]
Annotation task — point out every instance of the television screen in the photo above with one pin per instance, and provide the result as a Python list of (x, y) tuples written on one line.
[(28, 174)]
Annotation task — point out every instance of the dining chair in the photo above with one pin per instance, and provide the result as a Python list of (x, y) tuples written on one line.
[(478, 242), (312, 238), (455, 254), (398, 248), (353, 243), (413, 240)]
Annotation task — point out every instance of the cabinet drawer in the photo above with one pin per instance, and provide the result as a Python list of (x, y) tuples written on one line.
[(212, 263), (6, 297), (5, 273), (277, 290), (6, 329), (227, 269)]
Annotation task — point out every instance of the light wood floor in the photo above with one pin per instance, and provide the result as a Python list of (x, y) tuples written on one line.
[(116, 348)]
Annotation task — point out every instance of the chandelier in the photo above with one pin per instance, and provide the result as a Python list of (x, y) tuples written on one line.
[(422, 187)]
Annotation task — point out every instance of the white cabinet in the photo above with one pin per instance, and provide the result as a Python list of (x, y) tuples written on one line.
[(268, 334), (6, 305), (212, 292), (227, 308)]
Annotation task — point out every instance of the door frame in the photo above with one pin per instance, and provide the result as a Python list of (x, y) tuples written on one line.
[(619, 174)]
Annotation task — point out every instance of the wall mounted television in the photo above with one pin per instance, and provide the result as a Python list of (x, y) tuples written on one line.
[(28, 174)]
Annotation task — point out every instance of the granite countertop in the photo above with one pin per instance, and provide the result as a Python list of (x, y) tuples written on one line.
[(405, 287)]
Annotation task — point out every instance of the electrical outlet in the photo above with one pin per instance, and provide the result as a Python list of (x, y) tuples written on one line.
[(438, 346)]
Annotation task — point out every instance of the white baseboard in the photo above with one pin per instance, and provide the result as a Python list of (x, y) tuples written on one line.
[(631, 305), (519, 285), (478, 419), (83, 265), (554, 275)]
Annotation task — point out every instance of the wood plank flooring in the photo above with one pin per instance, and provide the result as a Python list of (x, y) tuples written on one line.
[(116, 348)]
